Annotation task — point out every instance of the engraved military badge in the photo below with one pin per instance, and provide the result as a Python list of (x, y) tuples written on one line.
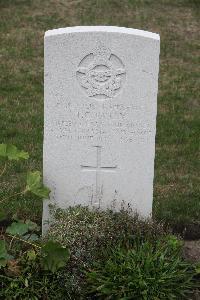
[(101, 74)]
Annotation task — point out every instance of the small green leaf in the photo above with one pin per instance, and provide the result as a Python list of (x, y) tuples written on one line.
[(3, 251), (17, 228), (26, 282), (33, 180), (15, 217), (11, 152), (3, 262), (4, 256), (30, 237), (3, 216), (31, 255), (197, 268), (34, 185), (14, 154), (3, 150), (32, 226), (54, 256), (42, 192)]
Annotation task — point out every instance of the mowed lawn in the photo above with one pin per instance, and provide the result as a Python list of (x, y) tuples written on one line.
[(22, 27)]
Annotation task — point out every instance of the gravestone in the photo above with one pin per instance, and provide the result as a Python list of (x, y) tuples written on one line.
[(100, 93)]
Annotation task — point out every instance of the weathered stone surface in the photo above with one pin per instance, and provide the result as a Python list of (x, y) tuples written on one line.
[(100, 117)]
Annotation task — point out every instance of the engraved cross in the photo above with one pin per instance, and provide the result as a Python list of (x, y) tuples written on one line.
[(98, 169)]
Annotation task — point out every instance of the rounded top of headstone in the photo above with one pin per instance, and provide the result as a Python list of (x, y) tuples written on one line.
[(110, 29)]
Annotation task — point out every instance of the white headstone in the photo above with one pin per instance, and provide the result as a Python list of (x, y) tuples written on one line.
[(100, 117)]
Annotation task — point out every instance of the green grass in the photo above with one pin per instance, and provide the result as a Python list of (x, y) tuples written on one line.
[(113, 255), (22, 26)]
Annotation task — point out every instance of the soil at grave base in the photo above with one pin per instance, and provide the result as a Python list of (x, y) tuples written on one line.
[(3, 225), (196, 296), (189, 231), (191, 250)]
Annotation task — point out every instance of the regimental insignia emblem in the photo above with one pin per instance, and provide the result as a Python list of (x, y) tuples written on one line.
[(101, 74)]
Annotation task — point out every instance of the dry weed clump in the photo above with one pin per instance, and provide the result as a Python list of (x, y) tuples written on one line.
[(90, 234)]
